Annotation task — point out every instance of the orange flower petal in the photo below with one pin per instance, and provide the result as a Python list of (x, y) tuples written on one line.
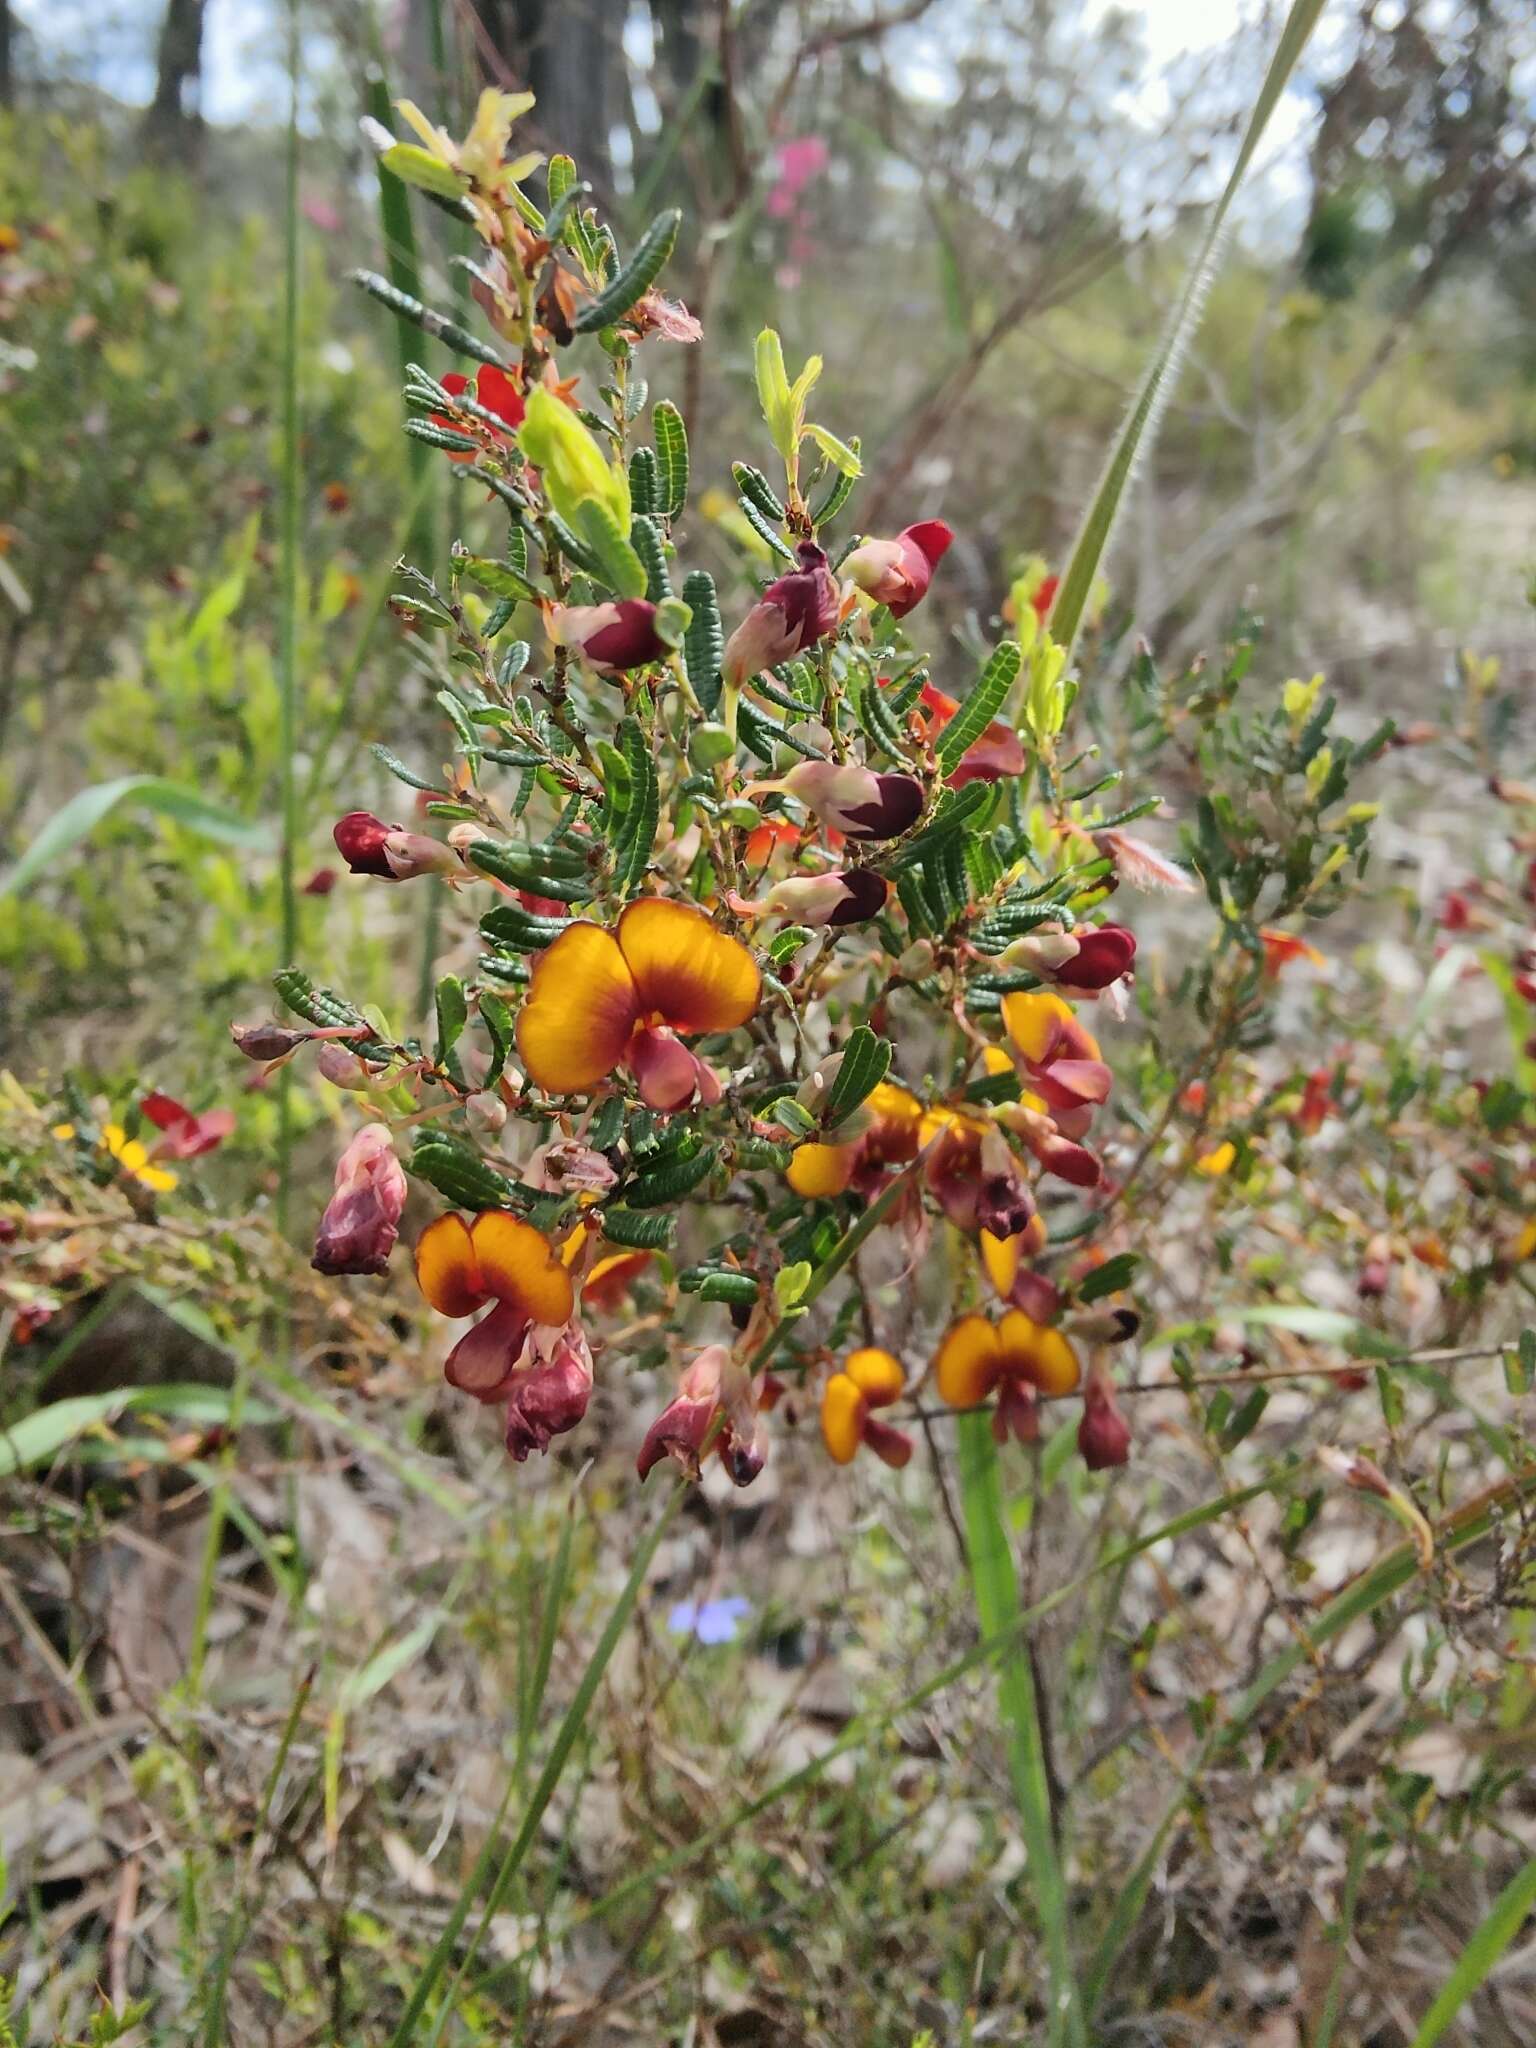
[(1040, 1355), (610, 1279), (842, 1418), (579, 1013), (693, 975), (1000, 1256), (968, 1362), (518, 1264), (446, 1270), (1034, 1021), (818, 1170), (876, 1374)]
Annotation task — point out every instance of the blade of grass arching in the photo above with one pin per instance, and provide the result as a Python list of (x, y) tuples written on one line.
[(1137, 435), (995, 1584), (565, 1739), (1475, 1964), (1465, 1525), (288, 598)]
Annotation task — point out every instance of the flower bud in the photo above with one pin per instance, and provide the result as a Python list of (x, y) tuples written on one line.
[(1104, 953), (1103, 1435), (793, 613), (710, 744), (360, 838), (613, 637), (341, 1068), (357, 1232), (897, 572), (859, 802), (267, 1041), (849, 896)]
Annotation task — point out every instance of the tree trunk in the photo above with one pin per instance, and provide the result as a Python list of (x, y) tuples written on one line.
[(173, 123), (7, 86), (570, 54)]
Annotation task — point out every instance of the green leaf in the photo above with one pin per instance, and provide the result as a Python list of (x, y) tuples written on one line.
[(673, 1182), (520, 868), (41, 1436), (643, 481), (704, 642), (416, 166), (837, 497), (622, 569), (1140, 429), (719, 1283), (447, 331), (499, 578), (496, 1016), (671, 458), (957, 808), (452, 1015), (459, 1174), (842, 458), (401, 773), (983, 704), (773, 393), (1475, 1965), (645, 539), (321, 1007), (86, 810), (1109, 1278), (866, 1062), (758, 492), (634, 804), (637, 1231), (636, 277)]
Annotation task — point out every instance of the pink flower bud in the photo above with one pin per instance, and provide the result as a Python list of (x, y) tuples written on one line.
[(714, 1386), (613, 637), (897, 572), (845, 896), (358, 1230), (1103, 1435), (341, 1068), (409, 854)]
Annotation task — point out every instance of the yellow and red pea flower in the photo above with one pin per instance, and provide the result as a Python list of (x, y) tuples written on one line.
[(1060, 1053), (1015, 1358), (601, 999), (869, 1379), (462, 1268), (132, 1157), (890, 1139)]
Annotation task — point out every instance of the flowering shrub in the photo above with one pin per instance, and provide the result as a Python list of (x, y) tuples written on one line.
[(769, 918), (784, 945)]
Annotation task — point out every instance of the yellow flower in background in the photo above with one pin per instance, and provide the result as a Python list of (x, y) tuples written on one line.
[(130, 1155), (1218, 1162)]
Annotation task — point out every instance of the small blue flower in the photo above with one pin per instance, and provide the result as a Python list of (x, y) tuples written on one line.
[(708, 1621)]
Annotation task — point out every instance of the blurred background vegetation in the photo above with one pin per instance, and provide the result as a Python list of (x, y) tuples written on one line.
[(979, 211)]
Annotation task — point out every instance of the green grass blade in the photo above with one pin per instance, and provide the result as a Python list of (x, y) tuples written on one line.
[(77, 819), (1137, 435), (995, 1585), (565, 1740), (288, 599), (1475, 1964)]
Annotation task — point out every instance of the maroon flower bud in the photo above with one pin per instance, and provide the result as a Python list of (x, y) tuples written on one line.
[(793, 613), (1103, 954), (551, 1396), (1004, 1206), (858, 802), (1103, 1435), (357, 1232), (715, 1386), (360, 838), (267, 1041), (846, 896), (613, 637)]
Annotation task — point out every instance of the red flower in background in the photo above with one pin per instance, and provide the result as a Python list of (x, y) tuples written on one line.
[(496, 391), (186, 1135)]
